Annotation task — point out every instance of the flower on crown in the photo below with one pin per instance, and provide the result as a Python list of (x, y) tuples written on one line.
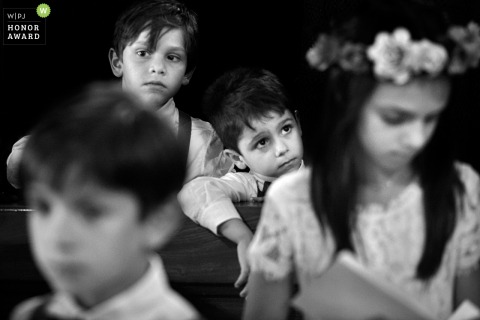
[(396, 57)]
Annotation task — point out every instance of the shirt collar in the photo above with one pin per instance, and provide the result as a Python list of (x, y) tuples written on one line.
[(129, 304), (261, 178)]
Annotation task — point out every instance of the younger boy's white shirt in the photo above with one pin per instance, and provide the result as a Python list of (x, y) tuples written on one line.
[(148, 299), (205, 154), (209, 201)]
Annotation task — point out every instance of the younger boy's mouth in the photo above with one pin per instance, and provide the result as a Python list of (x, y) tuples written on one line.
[(288, 164)]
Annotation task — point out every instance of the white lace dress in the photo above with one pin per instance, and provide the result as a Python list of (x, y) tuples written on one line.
[(388, 241)]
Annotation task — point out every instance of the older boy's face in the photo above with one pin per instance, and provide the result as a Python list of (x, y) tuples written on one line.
[(155, 76), (274, 146), (87, 241)]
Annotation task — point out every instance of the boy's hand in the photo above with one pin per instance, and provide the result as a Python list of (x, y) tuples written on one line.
[(257, 199), (237, 231), (244, 267)]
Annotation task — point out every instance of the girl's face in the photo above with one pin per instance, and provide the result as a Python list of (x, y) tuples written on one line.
[(88, 241), (397, 121)]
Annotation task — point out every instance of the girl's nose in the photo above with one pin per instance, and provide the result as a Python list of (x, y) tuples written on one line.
[(417, 135)]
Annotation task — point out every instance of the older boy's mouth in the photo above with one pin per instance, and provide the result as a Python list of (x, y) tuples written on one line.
[(155, 84)]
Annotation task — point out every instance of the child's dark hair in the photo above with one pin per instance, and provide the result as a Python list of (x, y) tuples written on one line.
[(157, 15), (335, 176), (105, 136), (239, 96)]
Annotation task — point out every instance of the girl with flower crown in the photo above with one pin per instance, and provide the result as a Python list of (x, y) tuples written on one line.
[(384, 182)]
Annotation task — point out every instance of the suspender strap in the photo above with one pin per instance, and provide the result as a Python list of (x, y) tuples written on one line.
[(184, 131)]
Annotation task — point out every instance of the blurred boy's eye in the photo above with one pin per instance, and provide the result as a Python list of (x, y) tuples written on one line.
[(40, 205), (90, 211)]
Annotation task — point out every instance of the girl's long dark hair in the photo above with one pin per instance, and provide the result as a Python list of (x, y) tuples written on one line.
[(335, 175)]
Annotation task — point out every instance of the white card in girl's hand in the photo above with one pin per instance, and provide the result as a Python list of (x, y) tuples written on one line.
[(347, 291)]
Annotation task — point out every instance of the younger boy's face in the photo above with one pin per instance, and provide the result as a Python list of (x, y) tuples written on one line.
[(154, 76), (87, 241), (274, 146)]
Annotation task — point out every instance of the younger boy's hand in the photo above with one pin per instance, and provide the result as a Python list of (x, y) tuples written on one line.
[(257, 199), (244, 267)]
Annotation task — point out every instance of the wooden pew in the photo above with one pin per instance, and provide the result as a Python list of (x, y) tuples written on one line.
[(200, 265)]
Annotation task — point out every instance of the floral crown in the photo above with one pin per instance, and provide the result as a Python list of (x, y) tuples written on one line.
[(396, 56)]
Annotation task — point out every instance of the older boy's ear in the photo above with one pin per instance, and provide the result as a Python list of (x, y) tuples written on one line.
[(187, 77), (115, 63), (161, 224), (236, 158)]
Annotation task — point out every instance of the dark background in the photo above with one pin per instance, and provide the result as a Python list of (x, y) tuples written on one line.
[(267, 33)]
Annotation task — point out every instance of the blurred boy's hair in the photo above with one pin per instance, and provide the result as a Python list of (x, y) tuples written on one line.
[(105, 136)]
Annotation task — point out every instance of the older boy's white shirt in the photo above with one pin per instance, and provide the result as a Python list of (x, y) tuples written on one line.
[(205, 154), (209, 201), (150, 298)]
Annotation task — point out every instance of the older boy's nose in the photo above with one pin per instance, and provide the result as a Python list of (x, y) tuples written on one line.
[(157, 66)]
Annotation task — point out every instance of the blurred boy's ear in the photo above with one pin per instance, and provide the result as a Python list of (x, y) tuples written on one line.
[(187, 77), (115, 63), (161, 224), (236, 158)]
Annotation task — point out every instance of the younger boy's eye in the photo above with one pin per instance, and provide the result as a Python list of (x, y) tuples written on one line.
[(142, 53), (261, 143)]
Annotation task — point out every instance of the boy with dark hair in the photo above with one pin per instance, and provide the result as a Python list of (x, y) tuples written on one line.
[(249, 109), (102, 174), (154, 52)]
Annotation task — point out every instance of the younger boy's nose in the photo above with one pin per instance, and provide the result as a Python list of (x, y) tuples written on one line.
[(280, 148)]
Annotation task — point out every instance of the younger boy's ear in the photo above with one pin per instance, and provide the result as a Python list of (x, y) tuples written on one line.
[(187, 77), (297, 118), (236, 158), (115, 63), (161, 224)]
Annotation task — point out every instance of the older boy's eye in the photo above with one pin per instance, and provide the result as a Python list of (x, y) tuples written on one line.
[(287, 128), (173, 58)]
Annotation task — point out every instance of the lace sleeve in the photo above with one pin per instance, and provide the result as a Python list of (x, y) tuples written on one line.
[(271, 251), (469, 237)]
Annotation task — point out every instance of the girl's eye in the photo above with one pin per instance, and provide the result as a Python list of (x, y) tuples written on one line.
[(394, 119)]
